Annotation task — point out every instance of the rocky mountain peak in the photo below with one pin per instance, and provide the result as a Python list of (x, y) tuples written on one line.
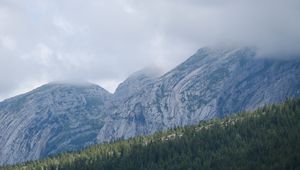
[(214, 82), (51, 119), (135, 82)]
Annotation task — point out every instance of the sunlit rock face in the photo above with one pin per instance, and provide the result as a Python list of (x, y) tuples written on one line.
[(214, 82), (51, 119)]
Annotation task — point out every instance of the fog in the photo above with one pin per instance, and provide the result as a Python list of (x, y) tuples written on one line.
[(105, 41)]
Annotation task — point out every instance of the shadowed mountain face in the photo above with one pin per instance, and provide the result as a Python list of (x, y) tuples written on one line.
[(51, 119), (212, 83)]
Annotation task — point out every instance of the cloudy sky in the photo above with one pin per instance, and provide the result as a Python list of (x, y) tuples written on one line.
[(104, 41)]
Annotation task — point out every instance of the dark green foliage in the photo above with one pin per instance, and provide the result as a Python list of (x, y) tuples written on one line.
[(267, 138)]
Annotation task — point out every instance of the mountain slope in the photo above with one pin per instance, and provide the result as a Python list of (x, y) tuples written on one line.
[(267, 138), (53, 118), (212, 83), (134, 83)]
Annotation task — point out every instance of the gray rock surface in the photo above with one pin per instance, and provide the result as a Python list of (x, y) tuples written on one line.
[(212, 83), (51, 119)]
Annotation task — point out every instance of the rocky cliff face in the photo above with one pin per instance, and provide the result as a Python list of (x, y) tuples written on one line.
[(51, 119), (212, 83)]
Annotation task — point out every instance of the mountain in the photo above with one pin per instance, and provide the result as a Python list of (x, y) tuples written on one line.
[(136, 82), (214, 82), (51, 119), (267, 138)]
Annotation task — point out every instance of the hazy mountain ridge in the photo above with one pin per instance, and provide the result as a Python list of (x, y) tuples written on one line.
[(212, 83), (267, 138), (51, 119)]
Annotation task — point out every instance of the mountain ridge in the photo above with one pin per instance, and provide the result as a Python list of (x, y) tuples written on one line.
[(265, 138), (49, 119), (214, 82), (191, 91)]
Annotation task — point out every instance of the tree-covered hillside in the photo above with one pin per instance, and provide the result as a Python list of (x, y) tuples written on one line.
[(267, 138)]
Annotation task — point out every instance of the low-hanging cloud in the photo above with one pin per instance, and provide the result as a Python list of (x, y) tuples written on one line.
[(104, 41)]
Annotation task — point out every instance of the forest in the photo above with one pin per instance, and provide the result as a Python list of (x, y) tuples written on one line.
[(267, 138)]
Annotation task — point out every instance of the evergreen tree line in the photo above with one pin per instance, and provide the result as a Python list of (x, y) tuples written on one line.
[(267, 138)]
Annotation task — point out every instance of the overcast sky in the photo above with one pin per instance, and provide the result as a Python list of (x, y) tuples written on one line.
[(104, 41)]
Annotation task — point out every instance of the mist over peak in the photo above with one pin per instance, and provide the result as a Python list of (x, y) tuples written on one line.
[(105, 41)]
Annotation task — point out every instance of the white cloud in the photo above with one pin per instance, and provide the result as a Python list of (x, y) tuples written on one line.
[(64, 26), (104, 41), (7, 42)]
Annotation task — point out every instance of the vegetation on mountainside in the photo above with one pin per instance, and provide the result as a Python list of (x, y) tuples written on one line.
[(267, 138)]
